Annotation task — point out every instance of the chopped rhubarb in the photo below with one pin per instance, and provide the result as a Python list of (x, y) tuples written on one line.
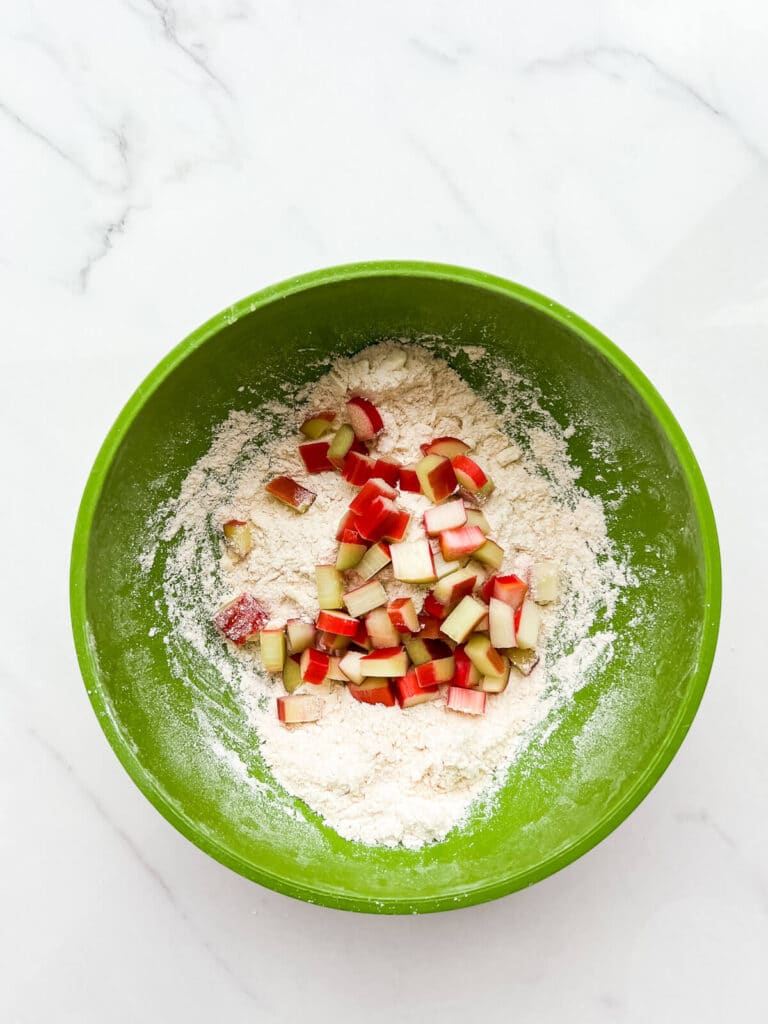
[(410, 693), (486, 591), (358, 468), (361, 638), (351, 550), (317, 425), (272, 643), (330, 586), (238, 537), (292, 673), (510, 589), (387, 662), (444, 517), (403, 616), (290, 493), (464, 540), (496, 683), (434, 608), (342, 443), (314, 666), (299, 708), (387, 470), (380, 630), (365, 598), (314, 455), (350, 666), (463, 619), (524, 661), (241, 619), (364, 417), (337, 622), (335, 673), (501, 618), (378, 520), (483, 655), (457, 584), (544, 582), (373, 691), (466, 674), (409, 479), (412, 562), (490, 554), (347, 522), (430, 626), (527, 622), (331, 643), (434, 672), (470, 476), (436, 477), (398, 527), (301, 635), (421, 650), (476, 518), (449, 447), (374, 488), (374, 560), (469, 702)]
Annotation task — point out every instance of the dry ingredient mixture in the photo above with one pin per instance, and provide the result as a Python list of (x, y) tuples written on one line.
[(376, 774)]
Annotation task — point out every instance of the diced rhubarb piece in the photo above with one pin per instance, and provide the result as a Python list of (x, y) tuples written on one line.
[(484, 625), (412, 561), (544, 582), (350, 551), (364, 417), (442, 568), (387, 470), (365, 598), (292, 673), (241, 619), (527, 622), (476, 518), (387, 662), (410, 693), (501, 617), (483, 655), (301, 635), (403, 616), (421, 650), (341, 445), (430, 626), (524, 661), (378, 520), (358, 468), (335, 673), (238, 537), (486, 591), (469, 702), (434, 608), (409, 479), (441, 670), (374, 488), (317, 425), (436, 477), (330, 586), (463, 619), (290, 493), (451, 588), (470, 476), (314, 666), (361, 638), (299, 708), (490, 554), (272, 649), (346, 523), (496, 683), (510, 589), (331, 643), (350, 666), (466, 673), (444, 517), (398, 527), (373, 560), (337, 622), (373, 691), (449, 447), (380, 630), (314, 455), (464, 540)]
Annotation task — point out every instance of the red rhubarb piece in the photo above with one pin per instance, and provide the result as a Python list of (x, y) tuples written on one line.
[(364, 417), (314, 455), (241, 619), (290, 493), (409, 479), (358, 468)]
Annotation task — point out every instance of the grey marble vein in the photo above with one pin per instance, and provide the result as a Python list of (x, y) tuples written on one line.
[(56, 755), (49, 143), (704, 819), (108, 233), (428, 49), (167, 16)]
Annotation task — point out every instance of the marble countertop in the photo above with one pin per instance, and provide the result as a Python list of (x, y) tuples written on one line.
[(161, 158)]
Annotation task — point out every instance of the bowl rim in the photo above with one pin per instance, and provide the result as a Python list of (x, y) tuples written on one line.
[(326, 895)]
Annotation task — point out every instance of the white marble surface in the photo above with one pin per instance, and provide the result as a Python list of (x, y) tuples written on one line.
[(160, 158)]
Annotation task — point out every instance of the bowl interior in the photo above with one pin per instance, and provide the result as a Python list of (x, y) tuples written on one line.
[(563, 794)]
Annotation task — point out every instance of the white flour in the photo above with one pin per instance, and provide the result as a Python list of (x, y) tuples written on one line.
[(381, 775)]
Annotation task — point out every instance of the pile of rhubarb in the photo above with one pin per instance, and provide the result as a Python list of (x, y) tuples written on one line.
[(475, 625)]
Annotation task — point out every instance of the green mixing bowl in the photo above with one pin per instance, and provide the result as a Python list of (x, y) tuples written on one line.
[(566, 792)]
